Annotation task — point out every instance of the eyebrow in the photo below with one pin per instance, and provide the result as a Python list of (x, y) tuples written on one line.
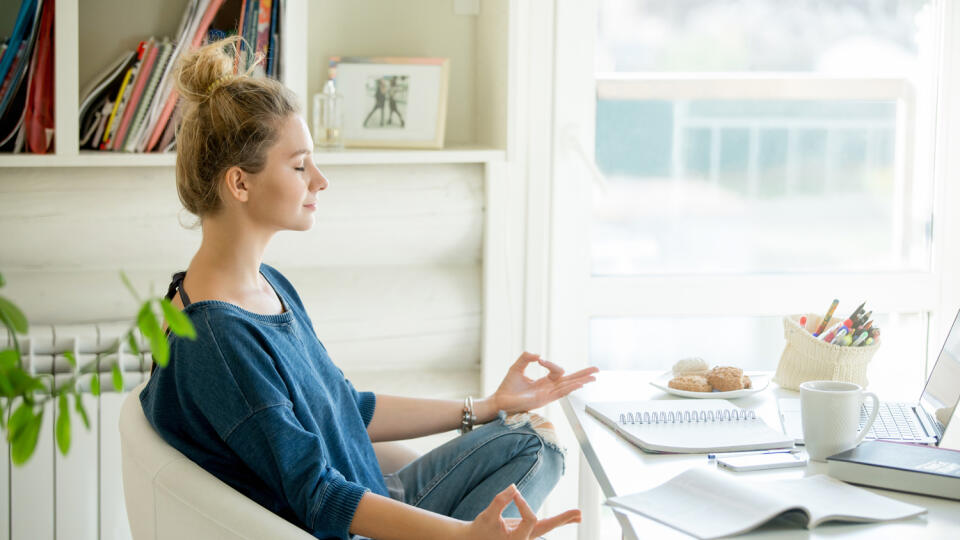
[(298, 152)]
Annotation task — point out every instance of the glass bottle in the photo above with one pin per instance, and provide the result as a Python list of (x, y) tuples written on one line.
[(328, 117)]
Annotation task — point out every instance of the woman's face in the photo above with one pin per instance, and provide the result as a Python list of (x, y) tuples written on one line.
[(283, 195)]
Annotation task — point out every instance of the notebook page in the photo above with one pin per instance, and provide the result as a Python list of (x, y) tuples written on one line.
[(691, 437), (705, 503), (828, 498)]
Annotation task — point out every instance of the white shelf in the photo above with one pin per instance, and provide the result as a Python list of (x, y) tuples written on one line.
[(350, 156)]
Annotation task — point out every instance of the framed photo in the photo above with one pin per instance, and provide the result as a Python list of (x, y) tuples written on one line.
[(392, 102)]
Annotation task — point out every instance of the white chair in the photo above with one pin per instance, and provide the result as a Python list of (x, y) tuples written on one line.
[(169, 497)]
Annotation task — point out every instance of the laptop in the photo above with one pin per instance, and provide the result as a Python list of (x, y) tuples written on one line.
[(923, 421)]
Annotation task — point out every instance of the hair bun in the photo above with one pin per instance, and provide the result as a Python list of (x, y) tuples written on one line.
[(201, 71)]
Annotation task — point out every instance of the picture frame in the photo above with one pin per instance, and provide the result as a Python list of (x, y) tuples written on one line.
[(392, 102)]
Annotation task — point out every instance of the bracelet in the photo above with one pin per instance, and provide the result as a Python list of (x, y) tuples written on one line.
[(466, 423)]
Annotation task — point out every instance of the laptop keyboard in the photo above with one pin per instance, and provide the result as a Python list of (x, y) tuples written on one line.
[(895, 421)]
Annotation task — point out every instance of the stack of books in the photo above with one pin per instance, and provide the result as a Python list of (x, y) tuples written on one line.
[(130, 105), (26, 72)]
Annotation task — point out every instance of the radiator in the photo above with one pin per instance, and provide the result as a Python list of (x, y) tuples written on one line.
[(78, 496)]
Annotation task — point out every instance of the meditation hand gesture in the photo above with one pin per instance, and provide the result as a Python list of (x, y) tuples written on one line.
[(519, 393), (490, 524)]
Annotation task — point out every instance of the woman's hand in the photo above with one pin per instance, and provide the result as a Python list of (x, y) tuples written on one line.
[(519, 393), (490, 525)]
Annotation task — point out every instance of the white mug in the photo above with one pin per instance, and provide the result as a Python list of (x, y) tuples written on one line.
[(830, 411)]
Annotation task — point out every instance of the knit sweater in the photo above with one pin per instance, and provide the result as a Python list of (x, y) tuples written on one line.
[(256, 401)]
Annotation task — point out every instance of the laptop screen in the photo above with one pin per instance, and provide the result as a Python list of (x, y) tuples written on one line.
[(942, 392)]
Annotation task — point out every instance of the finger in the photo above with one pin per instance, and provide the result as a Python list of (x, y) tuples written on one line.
[(546, 525), (555, 371), (500, 502), (529, 517), (565, 389), (584, 372), (579, 379), (525, 359)]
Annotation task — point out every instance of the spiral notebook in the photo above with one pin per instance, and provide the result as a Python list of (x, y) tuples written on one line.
[(688, 426)]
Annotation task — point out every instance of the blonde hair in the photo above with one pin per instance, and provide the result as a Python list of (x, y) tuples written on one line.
[(226, 120)]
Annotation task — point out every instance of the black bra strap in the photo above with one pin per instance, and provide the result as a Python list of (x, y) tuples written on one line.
[(176, 284)]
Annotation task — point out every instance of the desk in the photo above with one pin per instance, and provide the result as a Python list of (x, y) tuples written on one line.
[(621, 468)]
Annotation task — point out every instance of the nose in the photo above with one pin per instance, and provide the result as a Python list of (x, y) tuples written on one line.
[(318, 182)]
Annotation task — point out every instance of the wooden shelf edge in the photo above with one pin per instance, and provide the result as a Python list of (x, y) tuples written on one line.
[(350, 156)]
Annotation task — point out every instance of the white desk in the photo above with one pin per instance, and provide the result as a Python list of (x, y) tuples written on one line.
[(621, 468)]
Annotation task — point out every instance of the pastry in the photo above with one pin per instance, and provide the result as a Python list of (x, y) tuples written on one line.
[(747, 383), (690, 383), (690, 366), (726, 378)]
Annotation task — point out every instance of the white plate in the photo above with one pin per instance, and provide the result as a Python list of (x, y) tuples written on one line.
[(759, 382)]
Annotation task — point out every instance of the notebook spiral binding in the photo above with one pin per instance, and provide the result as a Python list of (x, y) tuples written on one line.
[(687, 417)]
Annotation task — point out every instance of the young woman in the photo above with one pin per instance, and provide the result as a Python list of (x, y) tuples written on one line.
[(255, 398)]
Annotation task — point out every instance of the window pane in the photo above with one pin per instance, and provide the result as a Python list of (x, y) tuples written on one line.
[(757, 35), (704, 186), (752, 343)]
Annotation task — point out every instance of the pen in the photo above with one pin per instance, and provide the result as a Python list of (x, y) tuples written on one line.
[(755, 453), (826, 318)]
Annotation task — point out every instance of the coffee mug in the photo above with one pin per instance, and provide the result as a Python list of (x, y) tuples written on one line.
[(830, 411)]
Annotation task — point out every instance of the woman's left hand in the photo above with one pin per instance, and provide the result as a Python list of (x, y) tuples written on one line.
[(519, 393)]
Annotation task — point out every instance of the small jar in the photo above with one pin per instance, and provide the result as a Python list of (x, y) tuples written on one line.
[(328, 118)]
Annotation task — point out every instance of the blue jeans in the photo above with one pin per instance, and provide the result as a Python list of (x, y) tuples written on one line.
[(461, 477)]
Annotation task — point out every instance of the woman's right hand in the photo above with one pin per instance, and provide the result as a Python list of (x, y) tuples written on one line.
[(491, 525)]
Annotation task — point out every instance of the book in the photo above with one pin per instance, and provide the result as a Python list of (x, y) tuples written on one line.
[(147, 54), (688, 426), (707, 503), (38, 125), (926, 470)]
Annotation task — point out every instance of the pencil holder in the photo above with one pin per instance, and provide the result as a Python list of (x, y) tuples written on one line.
[(806, 358)]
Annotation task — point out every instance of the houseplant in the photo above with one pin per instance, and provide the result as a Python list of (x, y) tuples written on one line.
[(31, 392)]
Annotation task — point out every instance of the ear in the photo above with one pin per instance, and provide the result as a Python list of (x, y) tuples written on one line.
[(237, 184)]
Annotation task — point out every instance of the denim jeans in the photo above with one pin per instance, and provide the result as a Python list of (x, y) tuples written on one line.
[(461, 477)]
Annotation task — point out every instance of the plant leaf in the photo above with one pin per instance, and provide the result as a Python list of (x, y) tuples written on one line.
[(24, 445), (2, 281), (63, 426), (117, 378), (13, 315), (70, 358), (132, 343), (177, 320), (18, 420), (95, 384), (9, 358), (5, 386), (126, 281), (83, 411), (161, 351)]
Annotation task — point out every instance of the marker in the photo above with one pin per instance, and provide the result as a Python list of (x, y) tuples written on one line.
[(826, 318), (860, 338), (837, 339), (832, 333), (857, 311)]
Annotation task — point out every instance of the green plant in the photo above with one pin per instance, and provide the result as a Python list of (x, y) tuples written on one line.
[(33, 391)]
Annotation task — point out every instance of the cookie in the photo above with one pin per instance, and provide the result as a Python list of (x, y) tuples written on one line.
[(690, 383), (690, 366), (726, 378), (747, 383)]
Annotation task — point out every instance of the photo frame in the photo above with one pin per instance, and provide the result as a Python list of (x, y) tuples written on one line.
[(392, 102)]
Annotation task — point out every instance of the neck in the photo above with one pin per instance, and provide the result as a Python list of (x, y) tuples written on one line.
[(232, 249)]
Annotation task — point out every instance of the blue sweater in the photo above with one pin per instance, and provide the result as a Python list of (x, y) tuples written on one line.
[(256, 401)]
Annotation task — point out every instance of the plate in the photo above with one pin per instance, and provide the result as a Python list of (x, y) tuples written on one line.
[(760, 381)]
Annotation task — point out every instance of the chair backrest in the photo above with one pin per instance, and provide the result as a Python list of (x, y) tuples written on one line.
[(170, 497)]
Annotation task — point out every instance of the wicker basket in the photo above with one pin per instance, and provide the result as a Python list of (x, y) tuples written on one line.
[(806, 358)]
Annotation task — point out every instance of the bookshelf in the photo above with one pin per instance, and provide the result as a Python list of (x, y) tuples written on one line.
[(474, 37)]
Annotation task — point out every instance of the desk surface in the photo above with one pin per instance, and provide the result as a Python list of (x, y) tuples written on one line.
[(621, 468)]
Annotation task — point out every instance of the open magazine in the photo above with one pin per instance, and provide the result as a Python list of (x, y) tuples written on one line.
[(707, 503)]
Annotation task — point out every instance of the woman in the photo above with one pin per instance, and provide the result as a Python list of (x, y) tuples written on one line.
[(256, 400)]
